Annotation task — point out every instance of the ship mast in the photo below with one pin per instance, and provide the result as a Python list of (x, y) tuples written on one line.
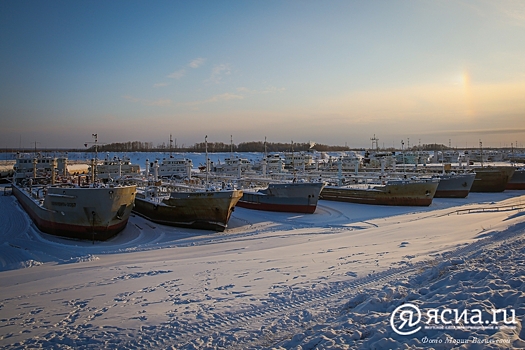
[(96, 158), (171, 146), (265, 159), (293, 163), (443, 159), (231, 146), (376, 141), (403, 155), (481, 151), (206, 148), (35, 145)]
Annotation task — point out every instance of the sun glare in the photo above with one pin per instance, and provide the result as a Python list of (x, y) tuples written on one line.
[(467, 92)]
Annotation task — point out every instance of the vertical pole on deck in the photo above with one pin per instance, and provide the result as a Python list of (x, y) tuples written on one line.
[(207, 163)]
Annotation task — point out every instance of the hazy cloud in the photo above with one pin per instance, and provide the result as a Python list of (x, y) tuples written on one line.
[(146, 102), (196, 63), (242, 92), (218, 72), (225, 97), (217, 98), (178, 74), (160, 85), (131, 98), (158, 102), (513, 11), (268, 90), (272, 90), (517, 14)]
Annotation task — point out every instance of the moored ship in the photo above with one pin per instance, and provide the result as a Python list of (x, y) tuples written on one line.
[(394, 192), (6, 171), (233, 165), (517, 181), (58, 205), (178, 167), (454, 185), (298, 197), (492, 178), (185, 205), (114, 168)]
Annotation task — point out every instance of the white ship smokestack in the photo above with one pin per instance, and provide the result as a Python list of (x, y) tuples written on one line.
[(156, 171)]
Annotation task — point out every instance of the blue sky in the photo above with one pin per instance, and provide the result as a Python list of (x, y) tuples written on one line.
[(333, 72)]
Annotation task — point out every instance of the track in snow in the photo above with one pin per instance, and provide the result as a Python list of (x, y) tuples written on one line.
[(250, 324)]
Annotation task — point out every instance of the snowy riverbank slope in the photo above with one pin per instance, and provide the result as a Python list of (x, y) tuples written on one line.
[(328, 280)]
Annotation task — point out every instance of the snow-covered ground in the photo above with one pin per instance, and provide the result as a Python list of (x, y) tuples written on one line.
[(333, 279)]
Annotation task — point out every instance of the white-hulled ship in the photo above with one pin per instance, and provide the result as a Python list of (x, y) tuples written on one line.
[(272, 163), (70, 206), (233, 165), (300, 161), (178, 167), (115, 168)]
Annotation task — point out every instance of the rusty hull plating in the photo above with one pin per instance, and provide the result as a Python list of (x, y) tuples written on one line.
[(398, 192)]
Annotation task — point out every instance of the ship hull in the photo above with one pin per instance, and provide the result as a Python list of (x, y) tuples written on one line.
[(289, 205), (517, 182), (200, 210), (454, 186), (400, 193), (492, 179), (80, 213), (294, 197)]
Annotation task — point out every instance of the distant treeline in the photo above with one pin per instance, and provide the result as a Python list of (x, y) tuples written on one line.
[(254, 146), (137, 146), (425, 147)]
